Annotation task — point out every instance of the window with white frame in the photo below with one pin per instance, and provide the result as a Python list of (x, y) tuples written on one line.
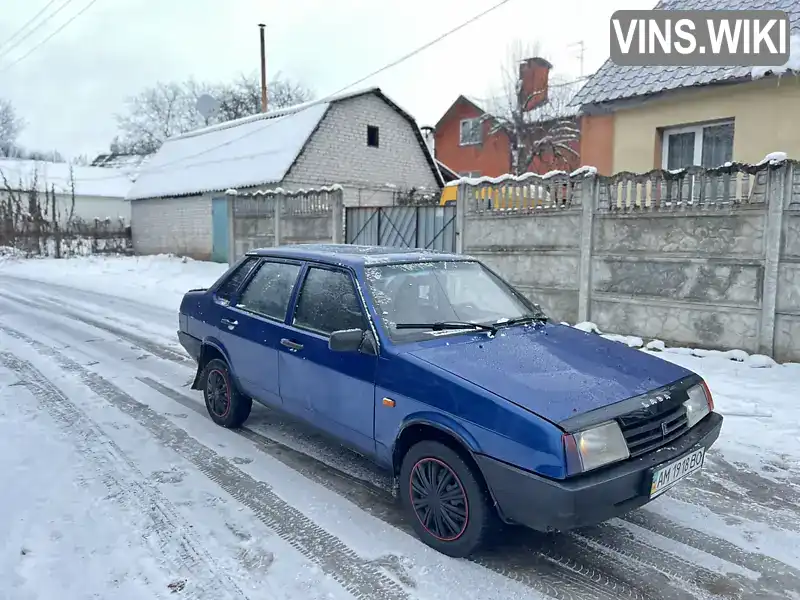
[(471, 131), (706, 145), (470, 174)]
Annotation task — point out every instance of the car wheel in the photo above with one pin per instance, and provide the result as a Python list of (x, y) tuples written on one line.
[(450, 508), (225, 405)]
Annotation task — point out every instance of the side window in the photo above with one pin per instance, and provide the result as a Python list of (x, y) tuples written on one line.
[(328, 302), (269, 290), (229, 287)]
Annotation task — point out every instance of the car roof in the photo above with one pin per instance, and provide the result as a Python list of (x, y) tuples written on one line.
[(354, 255)]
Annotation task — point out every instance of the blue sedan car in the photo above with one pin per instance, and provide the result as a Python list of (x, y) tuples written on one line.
[(441, 372)]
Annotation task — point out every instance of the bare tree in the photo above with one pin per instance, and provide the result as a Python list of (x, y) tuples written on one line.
[(242, 97), (49, 156), (537, 123), (10, 127), (157, 113), (169, 109)]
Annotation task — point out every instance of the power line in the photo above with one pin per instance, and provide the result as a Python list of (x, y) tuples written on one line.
[(271, 122), (52, 35), (25, 26), (426, 46)]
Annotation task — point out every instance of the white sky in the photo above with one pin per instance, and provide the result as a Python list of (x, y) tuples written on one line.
[(69, 89)]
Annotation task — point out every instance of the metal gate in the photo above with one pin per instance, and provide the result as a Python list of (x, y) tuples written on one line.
[(426, 227)]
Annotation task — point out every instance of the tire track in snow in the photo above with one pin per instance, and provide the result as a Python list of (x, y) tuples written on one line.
[(185, 554), (616, 540), (360, 577), (159, 350), (777, 578)]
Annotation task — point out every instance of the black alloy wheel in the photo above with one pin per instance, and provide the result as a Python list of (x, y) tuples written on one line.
[(439, 500), (218, 393)]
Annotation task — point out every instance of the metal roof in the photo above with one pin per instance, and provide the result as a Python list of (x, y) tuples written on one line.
[(613, 82)]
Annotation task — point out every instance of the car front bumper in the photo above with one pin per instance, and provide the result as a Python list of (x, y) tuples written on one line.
[(559, 505)]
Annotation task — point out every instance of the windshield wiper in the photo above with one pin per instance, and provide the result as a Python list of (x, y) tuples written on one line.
[(446, 325), (539, 318)]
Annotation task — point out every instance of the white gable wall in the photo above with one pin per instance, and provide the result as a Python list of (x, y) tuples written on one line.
[(338, 153), (173, 225)]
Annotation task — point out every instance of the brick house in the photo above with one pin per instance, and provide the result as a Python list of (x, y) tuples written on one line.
[(464, 137), (362, 141), (638, 118)]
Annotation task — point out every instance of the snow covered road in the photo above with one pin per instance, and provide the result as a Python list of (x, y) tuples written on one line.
[(122, 487)]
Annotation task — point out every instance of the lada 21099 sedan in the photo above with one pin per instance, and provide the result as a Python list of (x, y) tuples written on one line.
[(438, 370)]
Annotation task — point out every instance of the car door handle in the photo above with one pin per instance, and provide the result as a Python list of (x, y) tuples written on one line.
[(291, 345), (229, 323)]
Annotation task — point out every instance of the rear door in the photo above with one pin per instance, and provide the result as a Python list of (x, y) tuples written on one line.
[(252, 329), (338, 386)]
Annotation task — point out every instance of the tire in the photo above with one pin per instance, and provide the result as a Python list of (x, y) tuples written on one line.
[(225, 404), (469, 509)]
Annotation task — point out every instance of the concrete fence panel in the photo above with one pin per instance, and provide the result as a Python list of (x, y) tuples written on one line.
[(697, 257)]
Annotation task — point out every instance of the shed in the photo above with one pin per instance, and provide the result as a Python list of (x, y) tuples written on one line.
[(99, 193), (362, 140)]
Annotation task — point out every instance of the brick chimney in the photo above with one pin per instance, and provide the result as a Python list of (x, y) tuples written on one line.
[(534, 74)]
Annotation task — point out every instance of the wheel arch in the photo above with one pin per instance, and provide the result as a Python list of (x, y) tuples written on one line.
[(446, 431), (209, 350)]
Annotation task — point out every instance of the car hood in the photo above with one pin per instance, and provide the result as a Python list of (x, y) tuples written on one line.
[(555, 371)]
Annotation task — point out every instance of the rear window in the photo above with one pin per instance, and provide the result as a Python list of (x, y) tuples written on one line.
[(231, 285), (269, 291)]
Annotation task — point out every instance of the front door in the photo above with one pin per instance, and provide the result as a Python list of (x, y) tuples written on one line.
[(219, 229), (339, 386), (253, 328)]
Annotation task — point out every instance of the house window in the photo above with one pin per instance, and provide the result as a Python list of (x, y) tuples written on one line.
[(470, 174), (373, 136), (708, 146), (471, 132)]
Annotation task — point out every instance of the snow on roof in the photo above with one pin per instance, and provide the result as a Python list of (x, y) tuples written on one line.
[(254, 150), (791, 65), (242, 153), (89, 181), (247, 152), (615, 82)]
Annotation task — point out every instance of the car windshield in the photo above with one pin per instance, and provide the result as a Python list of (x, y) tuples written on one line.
[(452, 292)]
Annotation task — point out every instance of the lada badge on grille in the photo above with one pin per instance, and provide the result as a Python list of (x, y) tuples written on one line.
[(657, 399)]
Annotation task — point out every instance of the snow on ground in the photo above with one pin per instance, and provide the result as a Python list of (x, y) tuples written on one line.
[(159, 280), (59, 508)]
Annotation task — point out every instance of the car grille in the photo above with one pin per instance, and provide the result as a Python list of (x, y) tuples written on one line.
[(650, 428)]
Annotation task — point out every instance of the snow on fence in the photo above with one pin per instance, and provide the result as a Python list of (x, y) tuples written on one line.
[(275, 217), (695, 257)]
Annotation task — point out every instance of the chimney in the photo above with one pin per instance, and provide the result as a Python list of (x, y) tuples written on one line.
[(534, 74)]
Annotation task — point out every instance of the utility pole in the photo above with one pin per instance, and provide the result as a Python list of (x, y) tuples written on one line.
[(261, 27)]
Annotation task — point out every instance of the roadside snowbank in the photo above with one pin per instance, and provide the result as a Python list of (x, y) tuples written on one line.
[(160, 280)]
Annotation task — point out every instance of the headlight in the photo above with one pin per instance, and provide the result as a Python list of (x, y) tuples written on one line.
[(595, 447), (698, 405)]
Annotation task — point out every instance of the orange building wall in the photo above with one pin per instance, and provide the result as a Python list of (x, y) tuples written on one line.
[(597, 142), (491, 157)]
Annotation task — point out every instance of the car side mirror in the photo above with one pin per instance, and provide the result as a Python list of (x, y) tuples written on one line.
[(346, 340)]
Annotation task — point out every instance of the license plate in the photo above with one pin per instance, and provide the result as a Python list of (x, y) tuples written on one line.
[(666, 477)]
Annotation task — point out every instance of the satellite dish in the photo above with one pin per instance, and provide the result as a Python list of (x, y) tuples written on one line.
[(207, 105)]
